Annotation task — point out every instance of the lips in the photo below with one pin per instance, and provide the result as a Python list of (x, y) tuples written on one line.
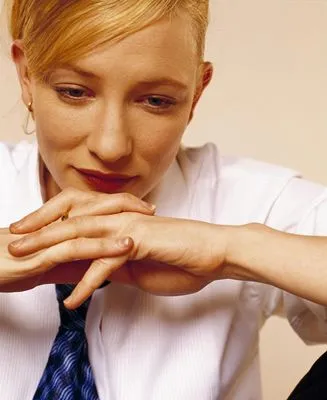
[(106, 183)]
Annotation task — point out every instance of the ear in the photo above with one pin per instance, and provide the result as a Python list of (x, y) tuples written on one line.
[(19, 58), (206, 74)]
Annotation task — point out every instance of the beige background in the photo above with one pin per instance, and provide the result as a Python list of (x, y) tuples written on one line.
[(267, 101)]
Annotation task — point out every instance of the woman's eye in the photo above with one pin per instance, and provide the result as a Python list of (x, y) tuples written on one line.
[(159, 102), (73, 93)]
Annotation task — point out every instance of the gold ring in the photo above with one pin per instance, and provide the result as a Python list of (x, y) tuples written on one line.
[(65, 216)]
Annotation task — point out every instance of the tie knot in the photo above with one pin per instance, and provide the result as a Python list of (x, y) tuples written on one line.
[(71, 319)]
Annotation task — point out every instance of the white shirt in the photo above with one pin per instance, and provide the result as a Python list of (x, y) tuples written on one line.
[(202, 346)]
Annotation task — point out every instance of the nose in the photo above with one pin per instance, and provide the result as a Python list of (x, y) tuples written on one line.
[(110, 141)]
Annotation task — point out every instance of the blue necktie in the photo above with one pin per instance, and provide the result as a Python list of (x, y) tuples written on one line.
[(68, 374)]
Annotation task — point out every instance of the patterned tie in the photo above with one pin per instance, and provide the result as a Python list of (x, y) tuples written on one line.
[(68, 374)]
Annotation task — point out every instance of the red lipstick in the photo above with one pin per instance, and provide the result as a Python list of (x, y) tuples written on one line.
[(105, 182)]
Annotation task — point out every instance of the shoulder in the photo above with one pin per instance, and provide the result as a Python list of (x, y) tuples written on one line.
[(301, 208), (239, 190), (206, 161), (233, 176)]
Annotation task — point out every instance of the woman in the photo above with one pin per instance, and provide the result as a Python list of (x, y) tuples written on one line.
[(111, 87)]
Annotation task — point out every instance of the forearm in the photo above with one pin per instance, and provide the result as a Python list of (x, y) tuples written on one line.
[(295, 263)]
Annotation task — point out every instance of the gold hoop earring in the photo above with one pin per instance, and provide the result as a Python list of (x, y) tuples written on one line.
[(30, 107), (27, 120)]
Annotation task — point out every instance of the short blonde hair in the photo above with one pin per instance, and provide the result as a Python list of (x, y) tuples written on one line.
[(60, 31)]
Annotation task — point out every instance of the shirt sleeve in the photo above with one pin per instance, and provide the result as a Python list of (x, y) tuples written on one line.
[(308, 319), (302, 209)]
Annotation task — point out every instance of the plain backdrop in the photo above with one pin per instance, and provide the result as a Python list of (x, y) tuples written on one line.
[(267, 101)]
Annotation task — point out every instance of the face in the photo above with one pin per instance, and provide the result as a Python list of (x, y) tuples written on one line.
[(113, 120)]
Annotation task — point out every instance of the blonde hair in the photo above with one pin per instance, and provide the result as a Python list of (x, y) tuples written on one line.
[(60, 31)]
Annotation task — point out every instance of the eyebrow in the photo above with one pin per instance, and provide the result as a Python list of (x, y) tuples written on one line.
[(164, 82), (80, 71), (156, 81)]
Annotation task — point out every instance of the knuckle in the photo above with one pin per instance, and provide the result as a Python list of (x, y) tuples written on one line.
[(36, 237), (133, 217), (80, 220), (92, 195), (102, 263), (103, 246), (127, 198), (127, 226), (73, 224), (74, 247), (41, 265), (35, 214), (69, 191), (74, 194), (113, 200), (100, 225), (39, 214), (41, 231), (90, 284), (137, 228)]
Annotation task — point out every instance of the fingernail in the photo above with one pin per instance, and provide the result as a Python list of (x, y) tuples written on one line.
[(17, 243), (15, 225), (149, 206), (68, 301), (125, 242)]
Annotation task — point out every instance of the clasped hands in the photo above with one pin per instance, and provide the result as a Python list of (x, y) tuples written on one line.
[(111, 236)]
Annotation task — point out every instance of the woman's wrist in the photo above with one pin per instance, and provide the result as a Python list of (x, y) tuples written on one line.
[(294, 263), (245, 252)]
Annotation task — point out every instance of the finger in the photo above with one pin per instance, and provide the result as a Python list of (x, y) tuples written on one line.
[(76, 203), (83, 249), (50, 236), (51, 211), (74, 228), (104, 204), (94, 277)]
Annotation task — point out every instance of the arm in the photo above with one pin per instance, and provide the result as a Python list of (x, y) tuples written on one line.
[(174, 256), (294, 263)]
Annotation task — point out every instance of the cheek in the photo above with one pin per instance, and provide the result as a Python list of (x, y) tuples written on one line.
[(161, 137), (58, 126), (58, 129)]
